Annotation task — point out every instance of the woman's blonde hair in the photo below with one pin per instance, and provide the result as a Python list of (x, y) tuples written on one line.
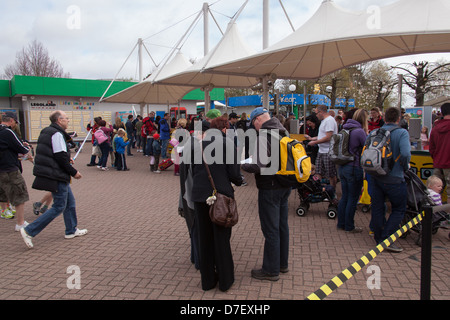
[(361, 115), (182, 123)]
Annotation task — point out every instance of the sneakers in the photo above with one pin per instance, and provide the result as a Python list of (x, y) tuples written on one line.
[(37, 208), (156, 171), (13, 210), (261, 275), (7, 214), (78, 233), (18, 227), (394, 248), (26, 238)]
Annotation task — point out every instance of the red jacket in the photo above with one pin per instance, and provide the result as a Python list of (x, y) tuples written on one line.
[(375, 124), (440, 144), (148, 127)]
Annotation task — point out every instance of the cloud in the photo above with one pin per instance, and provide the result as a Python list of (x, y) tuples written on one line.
[(92, 39)]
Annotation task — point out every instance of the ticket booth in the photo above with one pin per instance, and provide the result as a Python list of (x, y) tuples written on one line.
[(178, 112)]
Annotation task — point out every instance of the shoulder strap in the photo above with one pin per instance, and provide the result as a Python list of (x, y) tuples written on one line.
[(208, 171)]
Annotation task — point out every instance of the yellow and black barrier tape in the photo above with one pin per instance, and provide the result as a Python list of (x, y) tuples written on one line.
[(354, 268)]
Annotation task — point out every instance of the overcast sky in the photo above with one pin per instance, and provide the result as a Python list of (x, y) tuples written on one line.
[(92, 39)]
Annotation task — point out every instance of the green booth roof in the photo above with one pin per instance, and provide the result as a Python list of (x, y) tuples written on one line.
[(42, 86)]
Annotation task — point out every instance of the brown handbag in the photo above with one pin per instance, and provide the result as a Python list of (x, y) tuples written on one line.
[(223, 211)]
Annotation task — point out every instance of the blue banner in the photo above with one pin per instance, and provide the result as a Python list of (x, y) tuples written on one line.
[(289, 99)]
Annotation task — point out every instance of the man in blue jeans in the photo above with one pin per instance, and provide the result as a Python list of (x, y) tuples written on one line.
[(272, 198), (53, 171), (392, 185)]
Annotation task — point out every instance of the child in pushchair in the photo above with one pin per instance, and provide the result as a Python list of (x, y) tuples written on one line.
[(315, 191), (418, 197)]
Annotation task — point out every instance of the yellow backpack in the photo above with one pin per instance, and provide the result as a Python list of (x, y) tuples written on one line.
[(295, 164)]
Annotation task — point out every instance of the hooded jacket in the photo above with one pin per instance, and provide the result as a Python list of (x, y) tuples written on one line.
[(10, 147), (440, 144), (265, 181), (356, 141)]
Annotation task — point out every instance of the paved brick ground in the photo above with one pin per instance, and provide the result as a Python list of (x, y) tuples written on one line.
[(138, 248)]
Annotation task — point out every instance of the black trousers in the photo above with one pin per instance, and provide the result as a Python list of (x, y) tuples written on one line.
[(216, 259), (121, 163)]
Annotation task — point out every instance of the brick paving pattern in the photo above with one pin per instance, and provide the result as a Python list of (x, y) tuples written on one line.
[(138, 248)]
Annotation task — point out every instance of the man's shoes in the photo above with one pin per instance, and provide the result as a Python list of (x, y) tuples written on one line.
[(284, 270), (261, 275), (18, 227), (355, 230), (394, 248), (78, 233), (26, 238), (91, 164)]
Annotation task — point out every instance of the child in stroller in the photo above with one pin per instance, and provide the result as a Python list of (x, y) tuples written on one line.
[(420, 195), (315, 191)]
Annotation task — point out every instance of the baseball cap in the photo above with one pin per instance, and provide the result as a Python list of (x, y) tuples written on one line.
[(213, 113), (233, 115), (257, 112), (12, 115)]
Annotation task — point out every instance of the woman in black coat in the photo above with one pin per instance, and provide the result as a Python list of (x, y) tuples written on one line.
[(216, 260)]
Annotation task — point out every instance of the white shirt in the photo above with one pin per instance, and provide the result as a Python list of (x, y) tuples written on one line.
[(58, 143), (327, 125)]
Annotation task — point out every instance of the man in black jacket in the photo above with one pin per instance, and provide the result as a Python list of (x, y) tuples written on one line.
[(53, 170), (12, 185), (272, 197)]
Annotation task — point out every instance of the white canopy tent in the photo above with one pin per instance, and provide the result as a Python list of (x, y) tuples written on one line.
[(174, 79), (334, 38), (149, 91), (229, 48)]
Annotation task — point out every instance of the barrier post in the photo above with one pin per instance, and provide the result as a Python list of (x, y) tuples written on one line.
[(425, 269)]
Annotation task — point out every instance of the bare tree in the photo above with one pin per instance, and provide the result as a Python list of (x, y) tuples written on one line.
[(34, 60), (424, 78)]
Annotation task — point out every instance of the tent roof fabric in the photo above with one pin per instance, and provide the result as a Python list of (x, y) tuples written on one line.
[(334, 38), (149, 91), (230, 48)]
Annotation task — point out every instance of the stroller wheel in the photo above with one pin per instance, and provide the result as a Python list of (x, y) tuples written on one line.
[(332, 213), (301, 211)]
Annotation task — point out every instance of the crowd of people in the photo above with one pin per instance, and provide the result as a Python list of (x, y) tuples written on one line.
[(210, 243)]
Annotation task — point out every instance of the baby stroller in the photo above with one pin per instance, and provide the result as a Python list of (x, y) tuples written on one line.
[(417, 198), (313, 191)]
